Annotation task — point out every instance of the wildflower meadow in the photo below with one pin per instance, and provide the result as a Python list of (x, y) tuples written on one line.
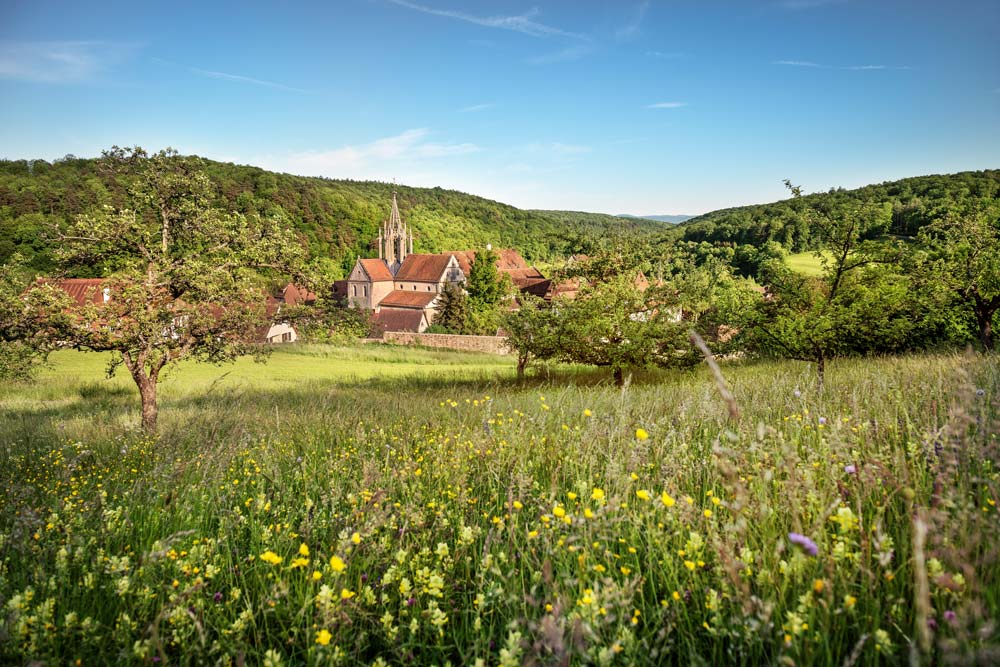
[(378, 506)]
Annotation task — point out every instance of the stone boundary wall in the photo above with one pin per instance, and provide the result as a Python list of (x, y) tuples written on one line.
[(488, 344)]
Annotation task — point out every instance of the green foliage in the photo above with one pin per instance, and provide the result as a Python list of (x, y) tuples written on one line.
[(483, 284), (183, 282), (960, 254), (532, 332), (452, 310), (24, 335), (913, 203), (336, 220), (530, 522), (852, 308)]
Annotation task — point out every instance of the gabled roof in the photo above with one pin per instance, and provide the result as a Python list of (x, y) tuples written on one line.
[(535, 286), (83, 290), (423, 268), (294, 295), (399, 319), (508, 261), (408, 299), (376, 269)]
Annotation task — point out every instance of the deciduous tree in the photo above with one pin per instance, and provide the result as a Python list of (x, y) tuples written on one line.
[(181, 274), (963, 257)]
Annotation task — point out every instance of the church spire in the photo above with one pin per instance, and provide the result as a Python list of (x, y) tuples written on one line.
[(395, 221), (393, 239)]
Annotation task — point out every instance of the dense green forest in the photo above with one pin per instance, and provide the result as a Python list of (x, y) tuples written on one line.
[(915, 203), (336, 219)]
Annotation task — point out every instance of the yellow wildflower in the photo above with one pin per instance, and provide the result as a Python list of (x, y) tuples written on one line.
[(317, 575), (323, 637), (597, 494), (641, 434), (271, 557), (666, 499), (303, 549), (356, 538), (346, 594), (642, 494), (337, 564)]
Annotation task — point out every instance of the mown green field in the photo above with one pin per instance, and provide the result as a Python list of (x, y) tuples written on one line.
[(378, 505), (806, 263)]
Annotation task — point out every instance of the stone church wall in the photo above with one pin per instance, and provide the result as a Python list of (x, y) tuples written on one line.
[(488, 344)]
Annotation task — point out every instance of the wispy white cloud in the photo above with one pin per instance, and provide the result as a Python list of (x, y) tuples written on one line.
[(523, 23), (378, 159), (809, 4), (246, 79), (668, 55), (666, 105), (568, 54), (631, 29), (797, 63), (476, 107), (851, 68), (60, 62)]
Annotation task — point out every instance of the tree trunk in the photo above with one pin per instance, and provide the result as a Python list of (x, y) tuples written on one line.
[(619, 376), (821, 370), (522, 363), (985, 320), (146, 382), (147, 392)]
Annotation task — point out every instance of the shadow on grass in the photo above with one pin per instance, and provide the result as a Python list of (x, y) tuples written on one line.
[(99, 409)]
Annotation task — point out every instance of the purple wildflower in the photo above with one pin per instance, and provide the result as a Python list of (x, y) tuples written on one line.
[(797, 393), (850, 469), (949, 616), (411, 601), (803, 543), (218, 596), (822, 420)]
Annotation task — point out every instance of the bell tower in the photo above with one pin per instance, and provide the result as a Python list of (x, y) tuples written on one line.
[(395, 240)]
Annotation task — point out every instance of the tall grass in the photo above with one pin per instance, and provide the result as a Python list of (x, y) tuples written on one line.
[(400, 506)]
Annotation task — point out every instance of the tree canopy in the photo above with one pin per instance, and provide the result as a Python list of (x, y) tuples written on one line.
[(182, 276)]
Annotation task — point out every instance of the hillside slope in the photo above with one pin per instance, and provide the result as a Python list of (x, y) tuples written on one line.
[(337, 219), (915, 202)]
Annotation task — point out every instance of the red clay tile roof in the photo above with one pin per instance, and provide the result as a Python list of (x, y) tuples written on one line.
[(294, 295), (376, 269), (83, 290), (535, 286), (423, 268), (398, 319), (408, 299), (508, 261)]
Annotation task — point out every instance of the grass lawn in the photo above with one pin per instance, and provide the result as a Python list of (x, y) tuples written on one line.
[(806, 263), (378, 505)]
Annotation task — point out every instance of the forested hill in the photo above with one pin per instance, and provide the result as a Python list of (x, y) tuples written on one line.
[(915, 202), (337, 219)]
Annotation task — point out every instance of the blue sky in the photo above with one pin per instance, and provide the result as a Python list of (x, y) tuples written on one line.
[(633, 106)]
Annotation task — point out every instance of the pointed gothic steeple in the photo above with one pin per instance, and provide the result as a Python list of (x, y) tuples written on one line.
[(393, 239)]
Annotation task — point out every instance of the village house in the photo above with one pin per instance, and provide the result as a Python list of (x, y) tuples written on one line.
[(401, 287), (96, 291)]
